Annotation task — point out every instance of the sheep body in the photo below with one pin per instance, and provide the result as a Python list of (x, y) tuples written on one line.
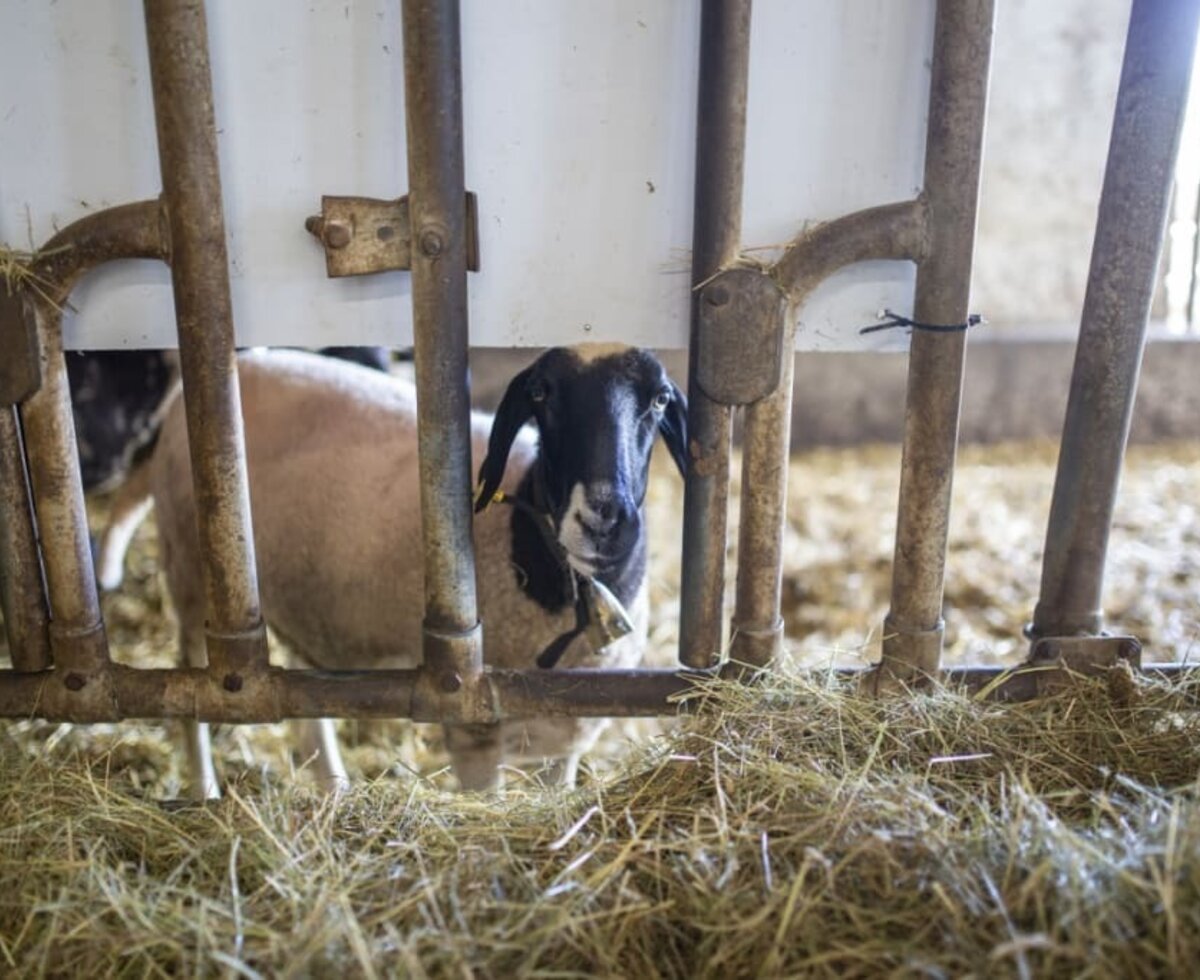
[(333, 472)]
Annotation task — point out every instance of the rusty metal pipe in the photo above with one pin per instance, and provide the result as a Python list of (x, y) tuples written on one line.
[(716, 239), (433, 111), (913, 629), (1129, 236), (22, 591), (187, 147), (76, 631), (193, 693), (894, 231)]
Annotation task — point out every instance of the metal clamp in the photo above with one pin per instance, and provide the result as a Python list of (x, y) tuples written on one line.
[(740, 336), (364, 235)]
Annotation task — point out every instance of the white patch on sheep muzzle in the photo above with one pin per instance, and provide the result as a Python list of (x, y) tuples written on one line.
[(581, 524)]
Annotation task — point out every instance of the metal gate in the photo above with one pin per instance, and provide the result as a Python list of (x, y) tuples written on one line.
[(61, 666)]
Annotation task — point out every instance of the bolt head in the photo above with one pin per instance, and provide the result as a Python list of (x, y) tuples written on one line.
[(450, 682), (717, 295), (336, 234), (431, 243), (232, 683), (74, 682)]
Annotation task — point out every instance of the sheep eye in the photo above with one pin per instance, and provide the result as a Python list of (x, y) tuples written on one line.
[(662, 400), (537, 392)]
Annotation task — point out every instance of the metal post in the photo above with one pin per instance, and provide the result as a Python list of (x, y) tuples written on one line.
[(716, 239), (76, 629), (1129, 237), (453, 645), (953, 153), (22, 593), (187, 146)]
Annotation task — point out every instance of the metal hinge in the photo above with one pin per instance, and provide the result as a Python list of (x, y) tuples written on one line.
[(363, 235)]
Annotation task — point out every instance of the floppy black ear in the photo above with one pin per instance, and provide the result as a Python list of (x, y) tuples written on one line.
[(516, 408), (673, 426)]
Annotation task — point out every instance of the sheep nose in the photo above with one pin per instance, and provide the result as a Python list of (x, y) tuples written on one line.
[(604, 510)]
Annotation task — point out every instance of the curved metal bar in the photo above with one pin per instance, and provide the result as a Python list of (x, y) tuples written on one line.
[(893, 231), (716, 238), (76, 630)]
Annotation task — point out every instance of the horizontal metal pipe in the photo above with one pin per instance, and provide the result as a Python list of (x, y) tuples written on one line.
[(912, 635), (22, 590), (437, 192), (1129, 235), (716, 240), (177, 33), (191, 693)]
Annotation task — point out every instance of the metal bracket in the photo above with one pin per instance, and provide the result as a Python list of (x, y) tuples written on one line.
[(1064, 658), (364, 235), (20, 352), (1087, 655), (740, 336)]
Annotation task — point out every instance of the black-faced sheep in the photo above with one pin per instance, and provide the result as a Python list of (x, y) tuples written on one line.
[(332, 462)]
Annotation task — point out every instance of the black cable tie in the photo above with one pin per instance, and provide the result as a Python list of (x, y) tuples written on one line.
[(896, 320)]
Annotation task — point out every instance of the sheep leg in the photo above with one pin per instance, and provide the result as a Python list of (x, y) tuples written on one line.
[(476, 752), (562, 772), (317, 741), (130, 507)]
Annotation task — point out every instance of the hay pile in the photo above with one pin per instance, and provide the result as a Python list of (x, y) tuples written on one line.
[(788, 830)]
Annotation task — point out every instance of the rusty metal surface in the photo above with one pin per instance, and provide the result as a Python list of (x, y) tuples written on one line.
[(433, 113), (21, 363), (1129, 236), (187, 146), (22, 591), (894, 232), (739, 337), (716, 239), (511, 695), (76, 632), (954, 147), (364, 235)]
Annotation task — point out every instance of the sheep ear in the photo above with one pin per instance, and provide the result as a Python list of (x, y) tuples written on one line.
[(516, 408), (673, 426)]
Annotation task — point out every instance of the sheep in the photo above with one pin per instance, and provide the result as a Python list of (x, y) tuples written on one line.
[(117, 399), (332, 461)]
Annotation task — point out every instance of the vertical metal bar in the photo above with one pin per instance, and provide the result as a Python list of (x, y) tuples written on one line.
[(757, 625), (187, 146), (1129, 237), (76, 629), (953, 154), (716, 238), (22, 592), (437, 208)]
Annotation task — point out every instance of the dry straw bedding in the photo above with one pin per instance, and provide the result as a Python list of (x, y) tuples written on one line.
[(788, 829)]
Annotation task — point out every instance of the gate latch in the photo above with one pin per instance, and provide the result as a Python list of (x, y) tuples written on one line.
[(362, 235)]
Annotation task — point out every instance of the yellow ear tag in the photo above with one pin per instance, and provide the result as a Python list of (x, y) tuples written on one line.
[(497, 497)]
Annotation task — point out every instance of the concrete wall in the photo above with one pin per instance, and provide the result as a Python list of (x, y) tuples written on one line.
[(1055, 69)]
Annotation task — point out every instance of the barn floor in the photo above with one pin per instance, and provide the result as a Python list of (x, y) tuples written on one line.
[(791, 831)]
